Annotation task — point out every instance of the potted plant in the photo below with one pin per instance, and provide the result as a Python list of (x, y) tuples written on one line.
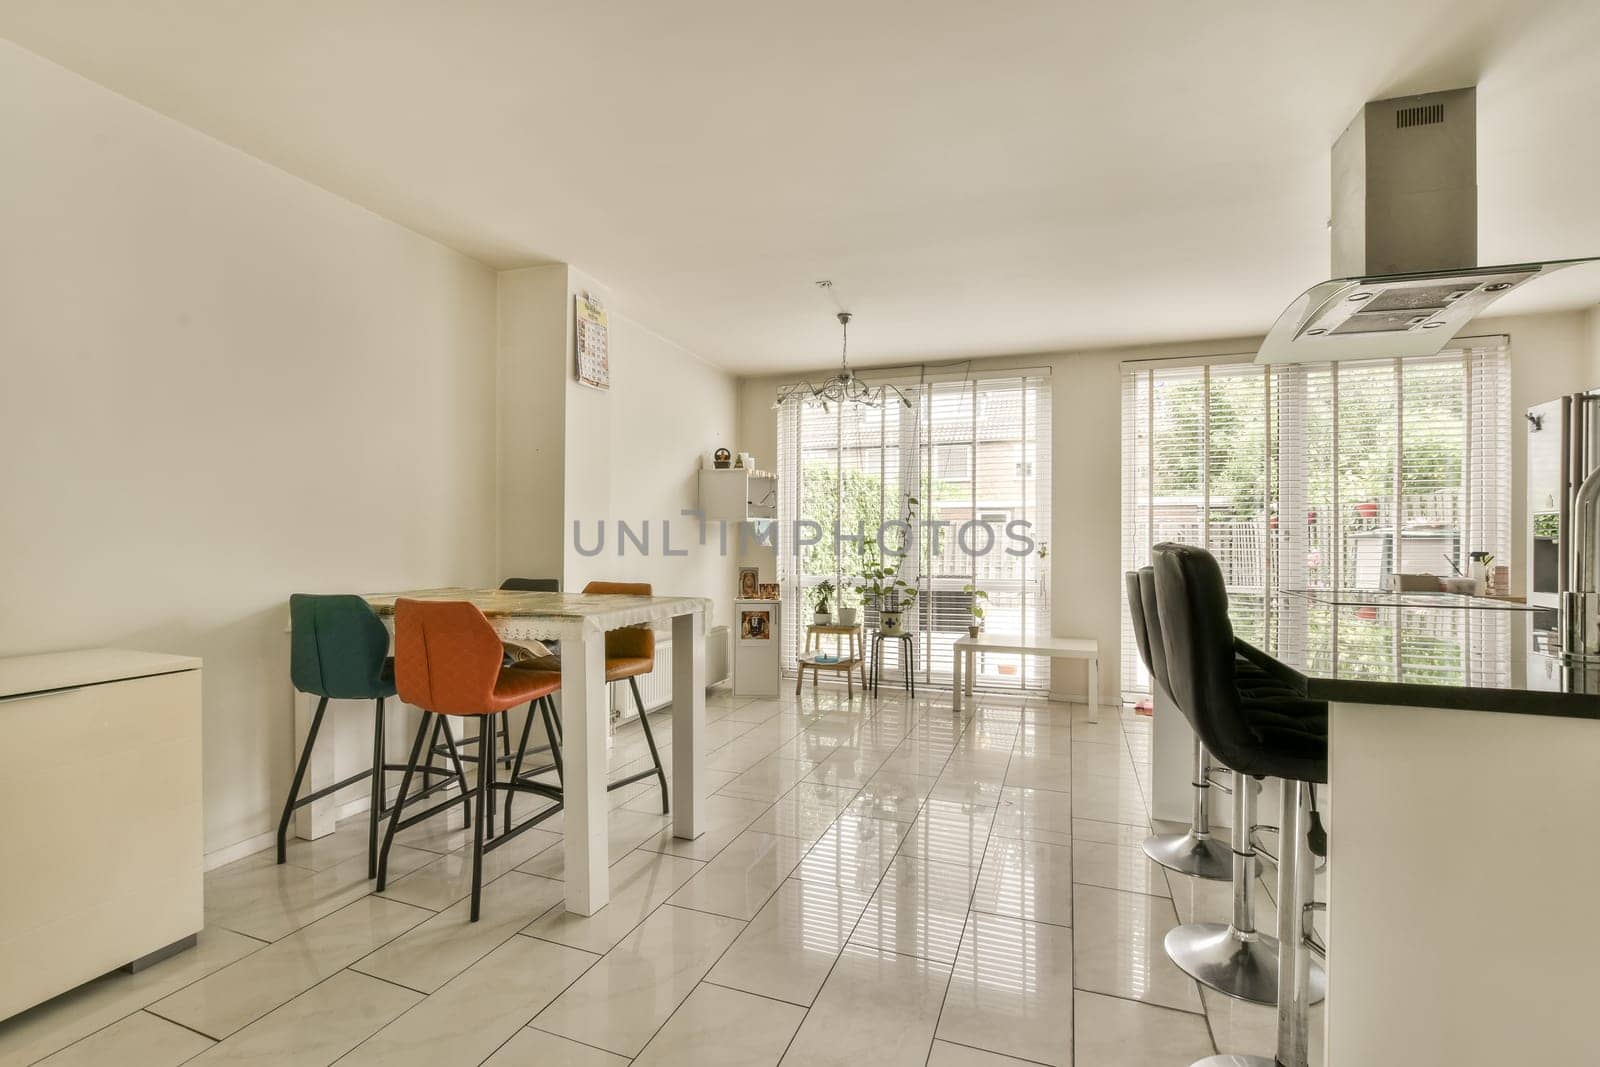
[(882, 589), (847, 612), (979, 598), (822, 599)]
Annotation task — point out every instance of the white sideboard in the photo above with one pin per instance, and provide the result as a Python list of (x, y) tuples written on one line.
[(103, 835)]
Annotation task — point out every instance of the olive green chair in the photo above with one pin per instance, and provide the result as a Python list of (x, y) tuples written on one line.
[(339, 650)]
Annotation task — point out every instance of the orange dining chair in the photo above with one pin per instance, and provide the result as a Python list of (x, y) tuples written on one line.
[(448, 661), (630, 652)]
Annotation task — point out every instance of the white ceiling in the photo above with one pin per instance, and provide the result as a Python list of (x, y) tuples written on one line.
[(975, 178)]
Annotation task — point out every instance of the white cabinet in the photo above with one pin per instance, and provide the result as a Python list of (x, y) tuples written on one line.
[(738, 494), (757, 629), (102, 845)]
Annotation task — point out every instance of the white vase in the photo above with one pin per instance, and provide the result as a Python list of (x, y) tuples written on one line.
[(847, 616), (822, 618), (890, 622)]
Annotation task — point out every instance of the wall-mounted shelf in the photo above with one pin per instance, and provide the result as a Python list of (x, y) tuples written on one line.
[(738, 494)]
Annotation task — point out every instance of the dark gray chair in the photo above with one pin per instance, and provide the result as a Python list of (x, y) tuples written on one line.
[(1194, 852), (1266, 731)]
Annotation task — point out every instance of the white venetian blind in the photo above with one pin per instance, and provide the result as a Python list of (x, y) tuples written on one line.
[(975, 456), (1321, 476)]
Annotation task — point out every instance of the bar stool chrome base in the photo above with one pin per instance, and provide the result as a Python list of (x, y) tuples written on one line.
[(1214, 955), (1188, 853)]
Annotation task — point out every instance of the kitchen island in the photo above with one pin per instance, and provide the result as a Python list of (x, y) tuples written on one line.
[(1464, 767)]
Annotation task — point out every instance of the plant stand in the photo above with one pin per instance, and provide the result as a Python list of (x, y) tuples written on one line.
[(847, 664), (908, 658)]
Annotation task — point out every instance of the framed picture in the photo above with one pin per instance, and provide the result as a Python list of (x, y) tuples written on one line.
[(755, 625), (749, 583), (770, 591)]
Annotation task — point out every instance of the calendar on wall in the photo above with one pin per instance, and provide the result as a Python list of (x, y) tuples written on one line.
[(594, 360)]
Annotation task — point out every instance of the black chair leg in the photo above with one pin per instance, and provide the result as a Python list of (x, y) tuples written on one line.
[(299, 776), (485, 811), (433, 747), (547, 709), (487, 762), (461, 770), (400, 801), (505, 735), (375, 813), (516, 763), (650, 739)]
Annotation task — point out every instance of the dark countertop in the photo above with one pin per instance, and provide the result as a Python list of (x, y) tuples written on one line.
[(1421, 650)]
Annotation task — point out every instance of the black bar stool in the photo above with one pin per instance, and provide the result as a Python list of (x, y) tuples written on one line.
[(1194, 852), (1258, 734), (908, 659)]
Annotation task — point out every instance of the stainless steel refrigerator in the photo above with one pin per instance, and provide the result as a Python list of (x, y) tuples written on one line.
[(1563, 449)]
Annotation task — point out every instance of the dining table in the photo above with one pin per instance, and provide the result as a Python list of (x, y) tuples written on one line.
[(579, 622)]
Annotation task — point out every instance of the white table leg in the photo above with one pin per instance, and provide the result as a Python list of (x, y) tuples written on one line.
[(688, 727), (584, 772), (315, 819), (1094, 689), (955, 676), (972, 669)]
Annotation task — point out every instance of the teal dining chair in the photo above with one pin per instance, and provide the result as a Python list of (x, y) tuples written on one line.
[(339, 650)]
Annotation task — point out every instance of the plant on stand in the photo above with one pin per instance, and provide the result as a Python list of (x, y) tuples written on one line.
[(822, 600), (882, 589), (880, 586), (847, 612), (976, 607)]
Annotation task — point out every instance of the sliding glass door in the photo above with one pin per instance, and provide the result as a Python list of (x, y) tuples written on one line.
[(967, 466), (1319, 477)]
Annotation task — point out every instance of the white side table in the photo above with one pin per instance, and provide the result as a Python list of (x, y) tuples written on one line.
[(1084, 648)]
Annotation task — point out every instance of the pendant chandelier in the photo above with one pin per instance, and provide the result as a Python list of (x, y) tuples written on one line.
[(843, 387)]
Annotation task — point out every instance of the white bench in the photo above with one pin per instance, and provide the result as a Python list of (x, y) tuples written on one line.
[(1084, 648)]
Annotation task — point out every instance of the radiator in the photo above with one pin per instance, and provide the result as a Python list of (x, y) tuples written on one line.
[(656, 687)]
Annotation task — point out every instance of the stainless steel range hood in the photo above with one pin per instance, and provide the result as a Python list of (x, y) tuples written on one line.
[(1405, 239)]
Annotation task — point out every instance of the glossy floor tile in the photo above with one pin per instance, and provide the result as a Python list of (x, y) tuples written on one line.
[(1111, 1032), (1118, 948), (1026, 879), (876, 1007), (478, 1010), (535, 1048), (719, 1027), (57, 1023), (806, 811), (880, 882), (1011, 990), (318, 1026), (640, 883), (241, 993), (790, 946), (621, 1001), (854, 852), (739, 881), (435, 951), (140, 1040)]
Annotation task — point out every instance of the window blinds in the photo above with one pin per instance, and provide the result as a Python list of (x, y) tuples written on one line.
[(975, 457), (1319, 476)]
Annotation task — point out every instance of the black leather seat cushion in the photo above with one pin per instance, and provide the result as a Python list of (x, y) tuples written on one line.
[(1248, 719)]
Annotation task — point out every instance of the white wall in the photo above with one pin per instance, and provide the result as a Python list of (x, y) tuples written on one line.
[(533, 314), (633, 454), (220, 385), (1551, 354)]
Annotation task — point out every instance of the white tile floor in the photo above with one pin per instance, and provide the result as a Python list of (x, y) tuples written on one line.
[(880, 882)]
